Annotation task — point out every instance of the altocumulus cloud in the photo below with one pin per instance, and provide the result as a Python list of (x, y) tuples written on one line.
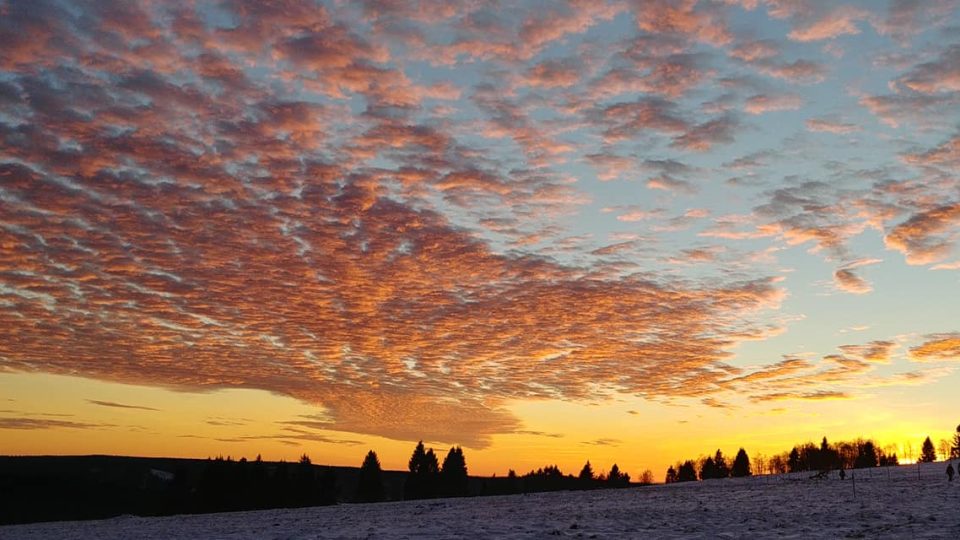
[(259, 195)]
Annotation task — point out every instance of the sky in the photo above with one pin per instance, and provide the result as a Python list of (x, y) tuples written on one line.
[(628, 232)]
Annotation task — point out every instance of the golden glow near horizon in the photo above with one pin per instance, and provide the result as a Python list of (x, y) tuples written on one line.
[(629, 232), (637, 435)]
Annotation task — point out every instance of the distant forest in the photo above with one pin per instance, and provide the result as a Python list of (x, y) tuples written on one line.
[(50, 488), (822, 458)]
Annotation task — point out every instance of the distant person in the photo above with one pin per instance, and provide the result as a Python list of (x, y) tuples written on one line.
[(843, 473), (950, 472)]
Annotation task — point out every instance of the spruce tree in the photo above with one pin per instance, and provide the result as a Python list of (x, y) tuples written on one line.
[(741, 465), (928, 453), (370, 480), (829, 457), (453, 475), (687, 472), (586, 476), (721, 469), (422, 480), (617, 478)]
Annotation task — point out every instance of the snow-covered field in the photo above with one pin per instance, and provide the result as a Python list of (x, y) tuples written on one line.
[(889, 503)]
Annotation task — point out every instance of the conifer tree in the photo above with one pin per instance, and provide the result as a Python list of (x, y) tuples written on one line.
[(928, 453), (708, 469), (687, 472), (616, 478), (586, 476), (867, 455), (370, 481), (721, 469), (793, 460), (829, 456), (741, 465), (671, 475), (453, 475), (422, 481)]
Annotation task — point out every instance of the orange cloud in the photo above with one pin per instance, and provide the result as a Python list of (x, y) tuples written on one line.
[(847, 280), (926, 237), (267, 197), (818, 395), (937, 347), (875, 351)]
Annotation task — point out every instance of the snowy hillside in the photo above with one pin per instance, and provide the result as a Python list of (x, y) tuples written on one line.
[(889, 503)]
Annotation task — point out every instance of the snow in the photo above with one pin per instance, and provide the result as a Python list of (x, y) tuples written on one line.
[(889, 503)]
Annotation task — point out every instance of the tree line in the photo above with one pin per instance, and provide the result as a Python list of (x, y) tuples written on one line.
[(228, 485), (426, 478), (709, 468), (224, 484), (856, 454)]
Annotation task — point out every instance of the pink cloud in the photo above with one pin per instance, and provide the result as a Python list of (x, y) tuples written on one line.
[(553, 74), (684, 18), (823, 125), (703, 137), (940, 75), (837, 22), (763, 103)]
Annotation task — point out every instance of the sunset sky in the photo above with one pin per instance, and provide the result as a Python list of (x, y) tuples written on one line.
[(627, 232)]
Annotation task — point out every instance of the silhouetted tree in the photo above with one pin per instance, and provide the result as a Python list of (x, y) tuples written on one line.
[(721, 469), (829, 457), (793, 460), (927, 452), (848, 452), (866, 455), (741, 465), (586, 476), (671, 476), (778, 464), (513, 483), (646, 477), (370, 480), (453, 475), (549, 478), (887, 460), (424, 471), (616, 478), (708, 469), (687, 472)]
